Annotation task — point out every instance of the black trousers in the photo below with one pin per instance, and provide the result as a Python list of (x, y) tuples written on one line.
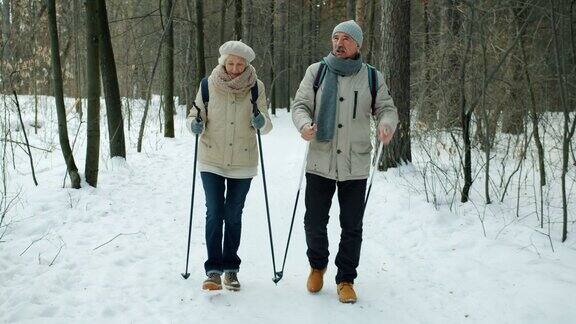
[(319, 193)]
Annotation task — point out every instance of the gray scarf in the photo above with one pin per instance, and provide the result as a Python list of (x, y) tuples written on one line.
[(327, 115)]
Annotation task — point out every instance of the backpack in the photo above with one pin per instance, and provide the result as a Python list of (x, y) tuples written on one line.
[(206, 95), (372, 83)]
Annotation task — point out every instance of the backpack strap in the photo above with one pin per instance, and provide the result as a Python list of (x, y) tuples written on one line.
[(317, 81), (254, 93), (205, 93), (373, 84), (319, 76)]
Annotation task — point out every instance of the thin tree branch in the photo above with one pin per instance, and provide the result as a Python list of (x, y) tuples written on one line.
[(25, 136), (31, 146), (57, 254), (115, 237), (32, 243), (502, 60)]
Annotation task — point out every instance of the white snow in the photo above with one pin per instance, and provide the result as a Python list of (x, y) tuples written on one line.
[(115, 253)]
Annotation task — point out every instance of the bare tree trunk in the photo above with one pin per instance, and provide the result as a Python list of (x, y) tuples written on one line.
[(140, 80), (567, 134), (520, 17), (370, 30), (311, 31), (247, 24), (237, 19), (149, 92), (282, 96), (360, 13), (223, 7), (200, 63), (169, 71), (350, 9), (301, 63), (6, 29), (427, 111), (190, 62), (110, 82), (34, 68), (59, 96), (513, 115), (77, 63), (35, 88), (487, 123), (396, 69), (93, 94), (288, 56), (318, 25), (466, 114), (452, 24), (272, 59)]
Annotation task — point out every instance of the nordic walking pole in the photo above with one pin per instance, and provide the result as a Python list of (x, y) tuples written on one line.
[(303, 170), (186, 274), (256, 112), (315, 87), (376, 158)]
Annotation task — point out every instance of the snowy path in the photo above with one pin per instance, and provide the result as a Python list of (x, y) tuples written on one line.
[(418, 265)]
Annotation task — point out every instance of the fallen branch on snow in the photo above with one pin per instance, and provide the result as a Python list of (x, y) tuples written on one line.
[(32, 243), (112, 239)]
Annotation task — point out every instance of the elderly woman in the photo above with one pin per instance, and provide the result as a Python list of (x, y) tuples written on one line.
[(228, 156)]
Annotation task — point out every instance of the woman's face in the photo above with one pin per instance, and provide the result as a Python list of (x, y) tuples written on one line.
[(235, 65)]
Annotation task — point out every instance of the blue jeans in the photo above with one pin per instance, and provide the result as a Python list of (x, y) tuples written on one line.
[(223, 211)]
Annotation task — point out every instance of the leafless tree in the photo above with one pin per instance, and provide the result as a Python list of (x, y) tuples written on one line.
[(59, 96), (93, 94)]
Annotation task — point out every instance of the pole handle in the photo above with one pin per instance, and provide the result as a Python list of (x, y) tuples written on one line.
[(198, 111)]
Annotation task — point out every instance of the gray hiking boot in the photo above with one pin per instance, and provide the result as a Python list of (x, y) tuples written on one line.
[(231, 281), (213, 282)]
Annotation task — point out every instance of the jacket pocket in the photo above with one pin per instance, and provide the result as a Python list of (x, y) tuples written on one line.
[(208, 150), (355, 104), (241, 150), (360, 158), (319, 157)]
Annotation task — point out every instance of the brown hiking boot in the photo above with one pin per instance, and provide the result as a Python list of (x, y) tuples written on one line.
[(315, 280), (346, 293), (231, 281), (213, 282)]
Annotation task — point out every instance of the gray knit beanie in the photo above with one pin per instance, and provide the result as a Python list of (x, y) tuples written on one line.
[(351, 28)]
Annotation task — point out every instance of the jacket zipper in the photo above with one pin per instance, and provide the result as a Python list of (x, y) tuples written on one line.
[(355, 103)]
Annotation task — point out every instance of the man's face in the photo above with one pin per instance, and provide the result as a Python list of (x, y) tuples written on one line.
[(344, 46)]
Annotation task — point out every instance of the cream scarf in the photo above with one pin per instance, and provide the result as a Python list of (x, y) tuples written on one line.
[(240, 84)]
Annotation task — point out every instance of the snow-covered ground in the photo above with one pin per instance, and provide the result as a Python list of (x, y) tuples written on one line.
[(114, 254)]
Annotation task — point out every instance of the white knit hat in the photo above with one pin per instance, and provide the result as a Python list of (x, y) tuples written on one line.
[(239, 49)]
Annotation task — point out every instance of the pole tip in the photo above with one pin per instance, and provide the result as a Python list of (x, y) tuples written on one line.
[(277, 277)]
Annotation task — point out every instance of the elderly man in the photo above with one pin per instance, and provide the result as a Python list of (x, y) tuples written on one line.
[(333, 108)]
